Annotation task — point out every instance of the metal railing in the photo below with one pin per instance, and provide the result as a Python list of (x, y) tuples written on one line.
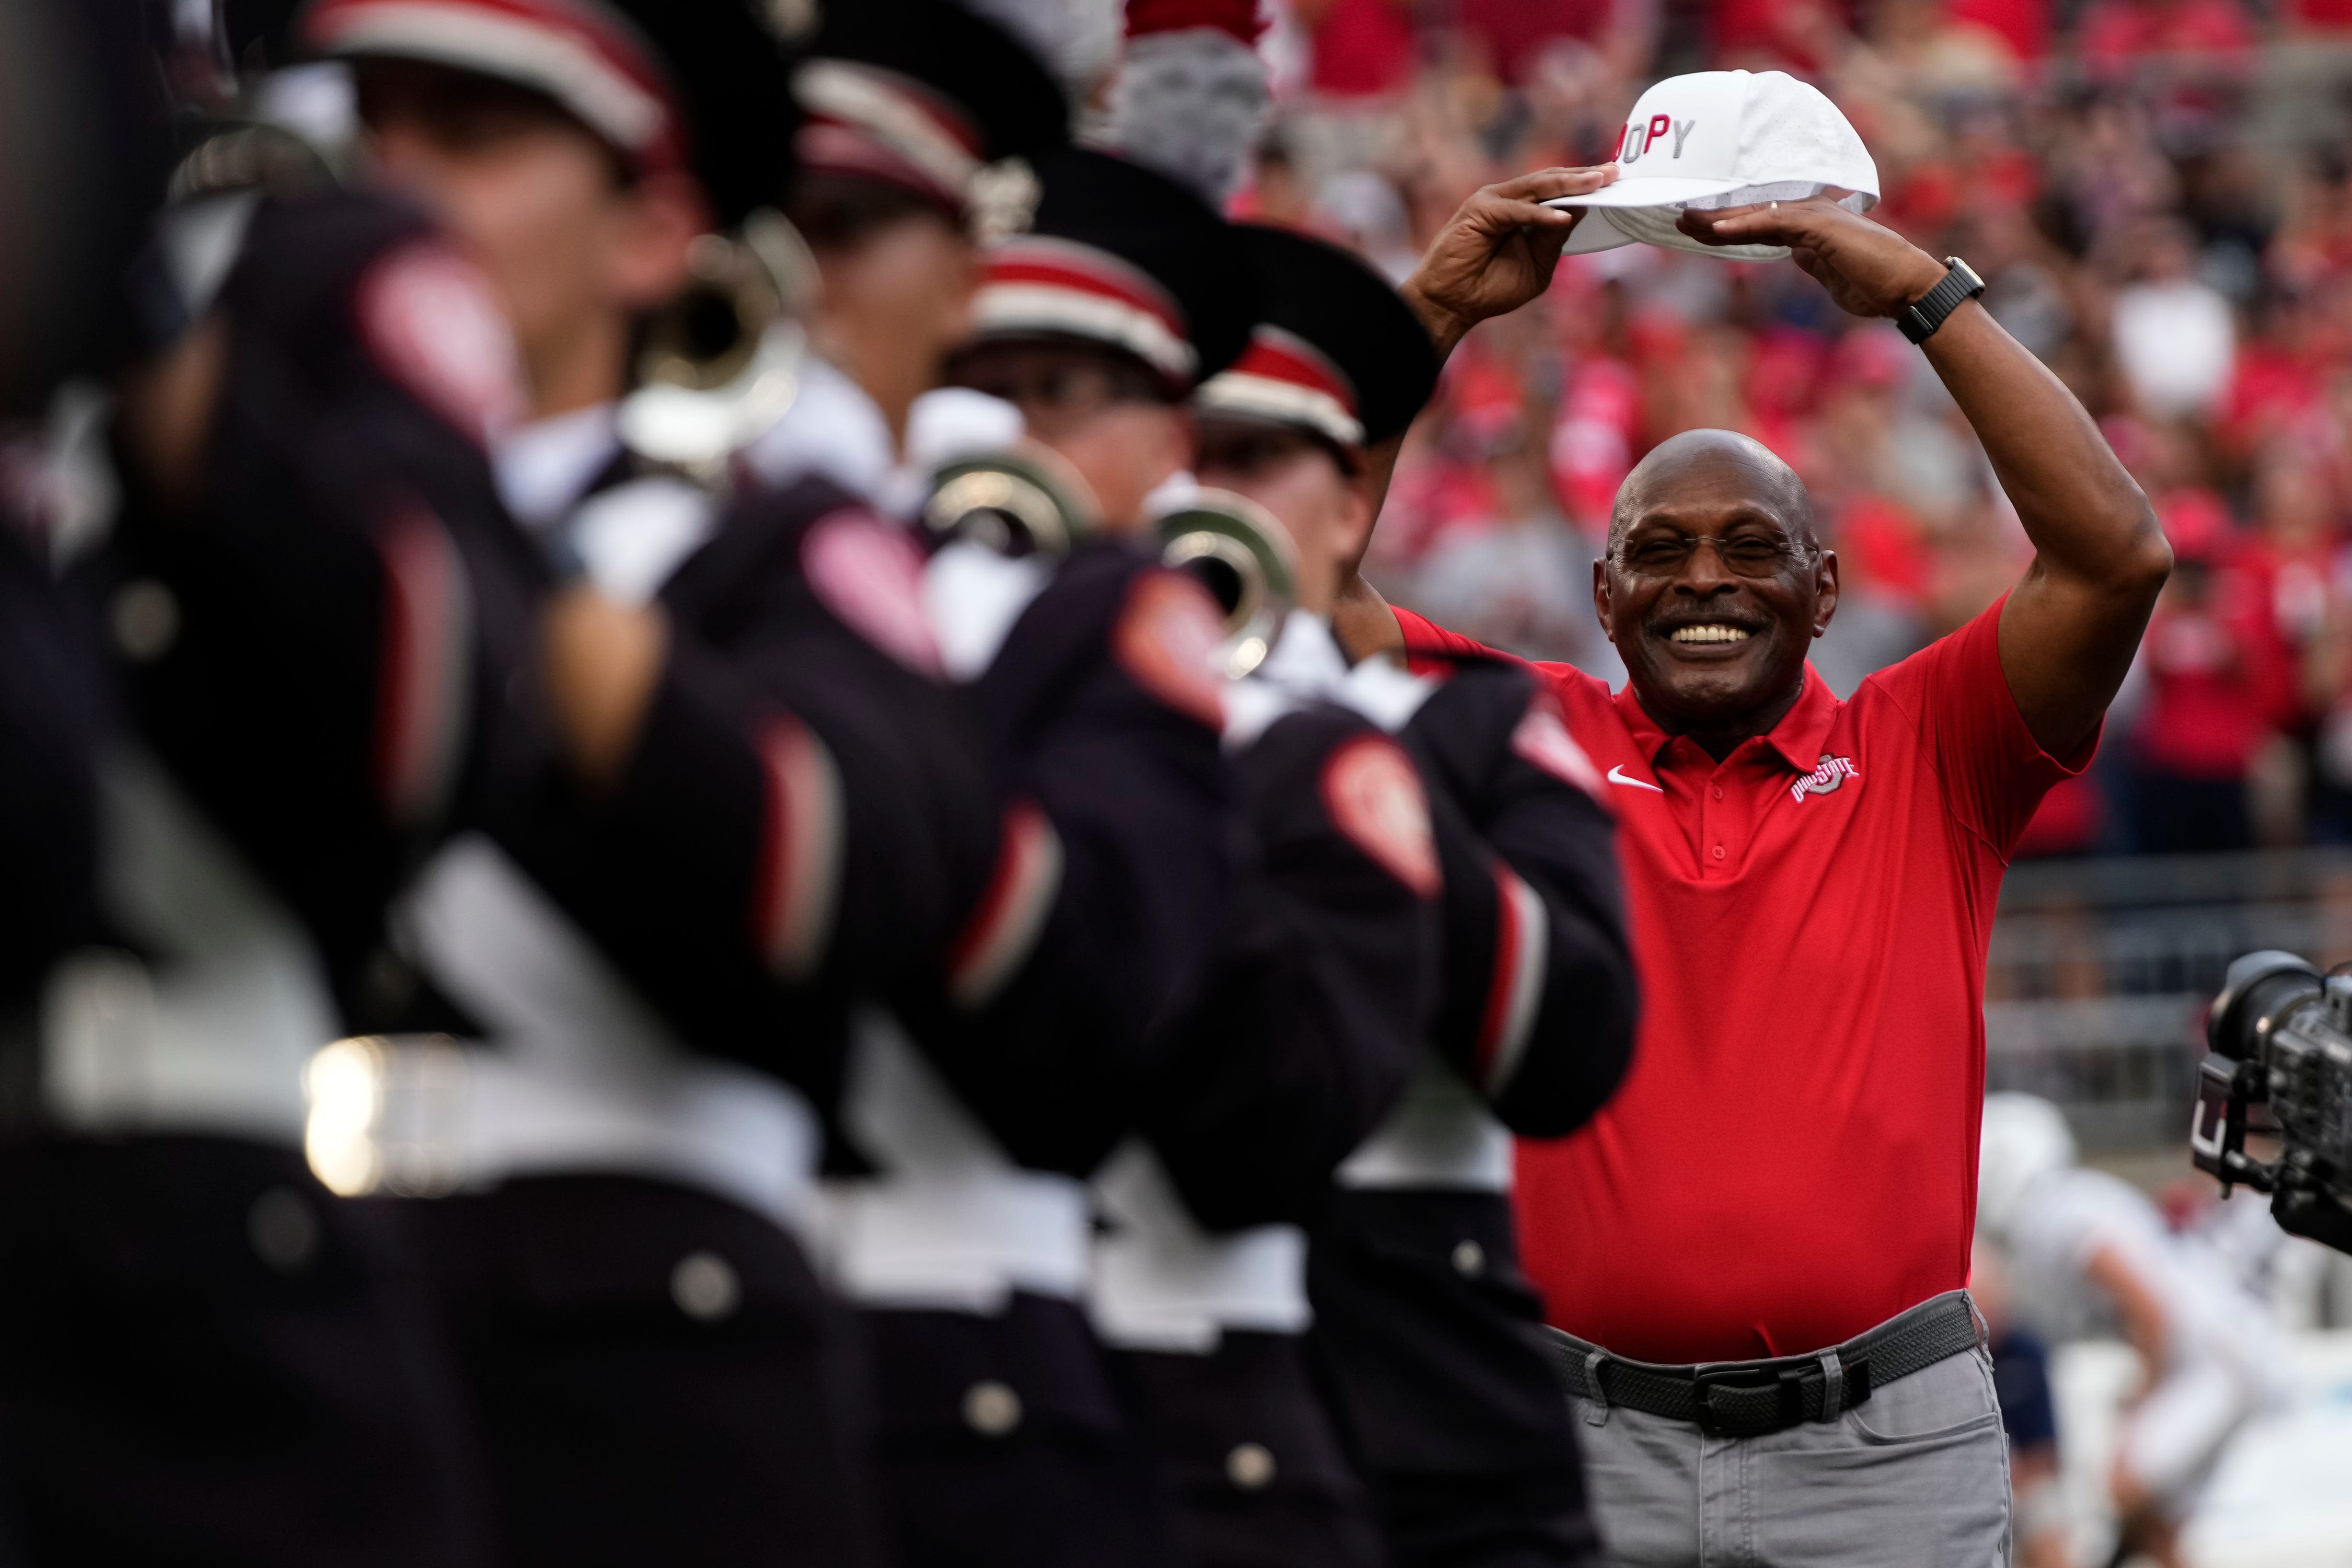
[(2100, 972)]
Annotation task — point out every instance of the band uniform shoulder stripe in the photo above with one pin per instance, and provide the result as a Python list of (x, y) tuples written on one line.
[(796, 894)]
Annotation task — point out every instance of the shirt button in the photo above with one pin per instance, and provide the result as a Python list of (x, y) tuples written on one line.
[(991, 1409), (705, 1287), (1469, 1260), (283, 1229), (146, 619), (1718, 851), (1249, 1466), (1719, 792)]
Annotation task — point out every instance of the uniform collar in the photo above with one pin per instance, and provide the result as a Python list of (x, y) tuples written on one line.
[(835, 428), (1305, 657), (1305, 667), (545, 467), (1797, 739)]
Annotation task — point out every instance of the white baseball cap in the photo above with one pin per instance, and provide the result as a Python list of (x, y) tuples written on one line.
[(1722, 139)]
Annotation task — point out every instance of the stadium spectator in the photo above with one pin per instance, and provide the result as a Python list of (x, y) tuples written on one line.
[(2175, 337), (2196, 738)]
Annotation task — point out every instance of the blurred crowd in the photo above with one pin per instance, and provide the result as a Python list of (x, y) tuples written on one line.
[(2161, 193)]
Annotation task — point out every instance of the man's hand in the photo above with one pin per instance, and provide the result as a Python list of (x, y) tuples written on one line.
[(1498, 251), (1869, 270)]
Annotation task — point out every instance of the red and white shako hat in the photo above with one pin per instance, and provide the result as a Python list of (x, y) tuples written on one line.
[(1122, 259), (694, 86), (922, 94), (1334, 352)]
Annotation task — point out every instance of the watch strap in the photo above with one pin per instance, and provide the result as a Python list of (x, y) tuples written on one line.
[(1920, 318)]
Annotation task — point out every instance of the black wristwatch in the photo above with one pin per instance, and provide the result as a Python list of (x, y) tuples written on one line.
[(1920, 318)]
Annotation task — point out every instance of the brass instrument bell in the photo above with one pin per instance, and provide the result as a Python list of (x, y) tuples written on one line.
[(1008, 501), (718, 364), (1243, 556)]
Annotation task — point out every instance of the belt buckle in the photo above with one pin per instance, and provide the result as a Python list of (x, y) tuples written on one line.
[(1790, 1385)]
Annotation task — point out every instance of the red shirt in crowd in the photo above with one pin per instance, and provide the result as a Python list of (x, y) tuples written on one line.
[(2025, 24), (2208, 706), (1793, 1155), (1361, 48), (1514, 30)]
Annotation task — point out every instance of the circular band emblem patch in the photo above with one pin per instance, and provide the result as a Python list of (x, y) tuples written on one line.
[(1542, 738), (1374, 796), (1167, 639), (426, 314), (871, 575)]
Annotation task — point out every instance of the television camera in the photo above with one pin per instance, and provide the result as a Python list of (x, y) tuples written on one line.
[(2280, 1064)]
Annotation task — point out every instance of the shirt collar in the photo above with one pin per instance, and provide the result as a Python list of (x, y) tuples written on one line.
[(1797, 739)]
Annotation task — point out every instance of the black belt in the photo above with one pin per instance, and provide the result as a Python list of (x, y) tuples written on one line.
[(1750, 1398)]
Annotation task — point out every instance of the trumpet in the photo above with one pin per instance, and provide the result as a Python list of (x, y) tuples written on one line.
[(720, 363), (1242, 555)]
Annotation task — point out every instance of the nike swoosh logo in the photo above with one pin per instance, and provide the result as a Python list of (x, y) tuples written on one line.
[(1617, 775)]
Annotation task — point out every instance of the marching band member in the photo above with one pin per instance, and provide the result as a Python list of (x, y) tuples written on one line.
[(1306, 1036), (980, 1115), (1425, 1331), (317, 609), (921, 127), (650, 940)]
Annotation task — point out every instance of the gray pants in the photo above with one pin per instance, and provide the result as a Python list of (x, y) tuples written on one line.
[(1914, 1477)]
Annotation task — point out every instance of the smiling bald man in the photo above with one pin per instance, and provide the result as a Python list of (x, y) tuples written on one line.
[(1755, 1253)]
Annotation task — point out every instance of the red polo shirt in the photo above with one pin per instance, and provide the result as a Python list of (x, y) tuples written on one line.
[(1793, 1155)]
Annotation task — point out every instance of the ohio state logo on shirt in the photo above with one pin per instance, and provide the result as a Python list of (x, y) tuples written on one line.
[(1826, 779)]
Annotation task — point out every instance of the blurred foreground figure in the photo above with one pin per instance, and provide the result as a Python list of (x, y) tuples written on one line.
[(77, 124), (2210, 1351), (1756, 1254), (315, 603), (766, 809), (81, 165), (1427, 1338)]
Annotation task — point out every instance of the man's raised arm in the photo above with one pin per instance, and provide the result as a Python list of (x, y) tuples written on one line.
[(1496, 253), (2070, 627)]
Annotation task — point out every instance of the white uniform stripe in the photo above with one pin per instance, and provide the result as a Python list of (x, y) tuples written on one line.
[(1006, 308), (1266, 397), (569, 69), (1518, 985), (869, 99)]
